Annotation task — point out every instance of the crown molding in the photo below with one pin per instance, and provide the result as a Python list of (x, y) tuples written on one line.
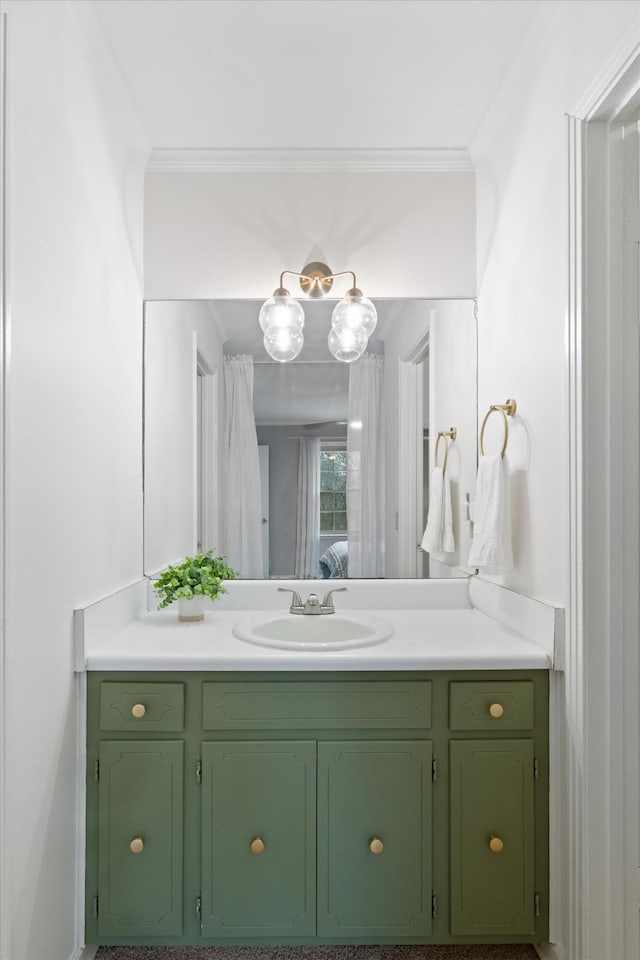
[(614, 94), (310, 161)]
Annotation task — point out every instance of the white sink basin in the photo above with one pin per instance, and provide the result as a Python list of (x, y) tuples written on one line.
[(333, 631)]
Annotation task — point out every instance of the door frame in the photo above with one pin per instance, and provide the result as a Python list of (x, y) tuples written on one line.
[(263, 459), (600, 695), (5, 913)]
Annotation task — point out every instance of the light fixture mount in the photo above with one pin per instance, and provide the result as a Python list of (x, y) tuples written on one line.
[(316, 279)]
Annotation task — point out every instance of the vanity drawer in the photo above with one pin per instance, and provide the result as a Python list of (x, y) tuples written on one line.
[(142, 706), (491, 705), (317, 705)]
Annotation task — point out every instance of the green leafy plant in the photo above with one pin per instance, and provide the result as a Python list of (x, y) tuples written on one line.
[(202, 575)]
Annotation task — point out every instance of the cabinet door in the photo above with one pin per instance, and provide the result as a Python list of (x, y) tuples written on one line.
[(374, 839), (492, 856), (140, 838), (258, 839)]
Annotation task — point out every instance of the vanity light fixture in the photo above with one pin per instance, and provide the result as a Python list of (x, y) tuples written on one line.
[(281, 317)]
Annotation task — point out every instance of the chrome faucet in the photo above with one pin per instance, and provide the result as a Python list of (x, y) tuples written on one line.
[(311, 606)]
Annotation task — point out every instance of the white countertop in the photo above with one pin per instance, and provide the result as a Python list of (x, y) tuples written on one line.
[(433, 639)]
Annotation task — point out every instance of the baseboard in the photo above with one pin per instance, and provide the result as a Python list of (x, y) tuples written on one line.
[(84, 953), (550, 951)]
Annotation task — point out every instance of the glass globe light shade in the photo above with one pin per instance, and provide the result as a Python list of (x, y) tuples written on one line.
[(282, 344), (282, 313), (356, 312), (346, 343)]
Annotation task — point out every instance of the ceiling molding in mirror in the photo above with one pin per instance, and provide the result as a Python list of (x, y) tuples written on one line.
[(418, 376)]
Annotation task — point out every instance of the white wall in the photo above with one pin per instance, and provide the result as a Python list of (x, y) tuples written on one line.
[(521, 158), (175, 332), (521, 169), (231, 235), (74, 476)]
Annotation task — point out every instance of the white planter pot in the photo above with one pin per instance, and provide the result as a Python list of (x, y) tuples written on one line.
[(191, 609)]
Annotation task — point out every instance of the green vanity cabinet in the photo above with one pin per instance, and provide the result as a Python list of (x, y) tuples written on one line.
[(258, 838), (374, 838), (292, 808), (140, 838), (496, 832), (492, 837)]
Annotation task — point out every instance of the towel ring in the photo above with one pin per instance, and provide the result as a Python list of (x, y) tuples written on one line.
[(508, 408), (453, 433)]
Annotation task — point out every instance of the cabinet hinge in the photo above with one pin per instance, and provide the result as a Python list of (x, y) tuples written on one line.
[(536, 772), (95, 906), (434, 770), (434, 906), (198, 771), (96, 771), (536, 904), (199, 909)]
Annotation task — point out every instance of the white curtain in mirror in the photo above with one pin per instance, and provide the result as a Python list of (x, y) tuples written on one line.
[(365, 468), (242, 515), (308, 519)]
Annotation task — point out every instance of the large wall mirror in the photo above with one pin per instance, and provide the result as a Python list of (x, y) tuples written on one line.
[(281, 466)]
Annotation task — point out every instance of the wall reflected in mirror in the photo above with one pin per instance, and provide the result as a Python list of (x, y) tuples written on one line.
[(328, 472)]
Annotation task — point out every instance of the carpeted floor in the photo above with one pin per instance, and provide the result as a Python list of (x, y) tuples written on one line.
[(516, 951)]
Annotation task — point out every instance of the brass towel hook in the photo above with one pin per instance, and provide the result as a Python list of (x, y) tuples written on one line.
[(505, 409), (453, 433)]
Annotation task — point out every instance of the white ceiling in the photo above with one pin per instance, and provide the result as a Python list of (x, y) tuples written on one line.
[(313, 74)]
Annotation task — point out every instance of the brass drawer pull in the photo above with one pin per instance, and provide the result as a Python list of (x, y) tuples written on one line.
[(136, 845), (376, 845), (138, 710), (496, 710), (496, 845), (257, 845)]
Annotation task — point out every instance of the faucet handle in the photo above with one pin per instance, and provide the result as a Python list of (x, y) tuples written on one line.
[(295, 598), (312, 604), (328, 602)]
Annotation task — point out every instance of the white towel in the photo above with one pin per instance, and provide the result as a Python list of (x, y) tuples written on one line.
[(491, 547), (438, 534)]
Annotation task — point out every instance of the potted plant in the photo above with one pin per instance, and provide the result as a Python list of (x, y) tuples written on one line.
[(191, 582)]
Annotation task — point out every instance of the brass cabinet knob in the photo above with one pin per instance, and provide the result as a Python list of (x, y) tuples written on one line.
[(138, 710), (376, 845), (136, 845), (257, 845), (496, 710), (496, 845)]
